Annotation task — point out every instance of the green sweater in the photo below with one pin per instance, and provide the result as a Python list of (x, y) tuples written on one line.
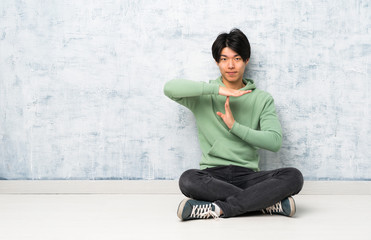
[(256, 123)]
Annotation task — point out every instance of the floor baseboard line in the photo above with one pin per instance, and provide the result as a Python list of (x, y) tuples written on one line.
[(157, 187)]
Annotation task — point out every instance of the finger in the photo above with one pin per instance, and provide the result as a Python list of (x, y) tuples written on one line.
[(227, 103)]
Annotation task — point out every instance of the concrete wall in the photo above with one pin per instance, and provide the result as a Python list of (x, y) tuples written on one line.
[(81, 84)]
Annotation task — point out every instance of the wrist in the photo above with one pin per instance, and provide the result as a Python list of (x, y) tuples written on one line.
[(220, 90), (231, 125)]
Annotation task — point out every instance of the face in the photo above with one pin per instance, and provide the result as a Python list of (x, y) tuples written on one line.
[(231, 66)]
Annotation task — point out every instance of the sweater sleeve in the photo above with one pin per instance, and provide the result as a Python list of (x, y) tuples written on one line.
[(269, 136), (187, 92)]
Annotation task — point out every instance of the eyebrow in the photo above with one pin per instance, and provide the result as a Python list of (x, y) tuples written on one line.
[(233, 56)]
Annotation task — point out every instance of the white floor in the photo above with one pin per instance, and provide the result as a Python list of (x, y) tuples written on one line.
[(120, 216)]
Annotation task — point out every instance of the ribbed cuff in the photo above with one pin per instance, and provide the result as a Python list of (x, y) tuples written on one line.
[(236, 130), (233, 129), (209, 89)]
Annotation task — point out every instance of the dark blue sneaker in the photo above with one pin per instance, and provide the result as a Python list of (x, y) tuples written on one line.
[(285, 207), (193, 209)]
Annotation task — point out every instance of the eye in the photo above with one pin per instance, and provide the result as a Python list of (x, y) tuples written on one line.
[(223, 59), (238, 59)]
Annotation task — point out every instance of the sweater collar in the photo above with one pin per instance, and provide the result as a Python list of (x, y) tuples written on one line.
[(249, 83)]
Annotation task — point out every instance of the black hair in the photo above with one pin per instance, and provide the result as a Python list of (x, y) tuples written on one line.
[(235, 40)]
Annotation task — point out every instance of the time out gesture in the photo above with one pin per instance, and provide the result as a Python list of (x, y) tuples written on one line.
[(228, 116)]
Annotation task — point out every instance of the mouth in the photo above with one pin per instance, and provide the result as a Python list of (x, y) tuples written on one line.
[(231, 73)]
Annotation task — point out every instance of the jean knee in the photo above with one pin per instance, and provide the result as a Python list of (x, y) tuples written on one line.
[(296, 179), (187, 181)]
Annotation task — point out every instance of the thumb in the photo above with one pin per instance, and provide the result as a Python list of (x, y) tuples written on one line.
[(220, 114)]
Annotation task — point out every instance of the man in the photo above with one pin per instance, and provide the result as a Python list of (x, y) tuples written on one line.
[(234, 120)]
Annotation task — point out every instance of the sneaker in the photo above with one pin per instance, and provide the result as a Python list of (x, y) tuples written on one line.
[(285, 207), (193, 209)]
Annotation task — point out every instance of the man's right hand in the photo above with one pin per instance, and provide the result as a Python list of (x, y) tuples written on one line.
[(232, 92)]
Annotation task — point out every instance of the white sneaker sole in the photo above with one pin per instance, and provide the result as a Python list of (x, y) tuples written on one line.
[(292, 206), (181, 207)]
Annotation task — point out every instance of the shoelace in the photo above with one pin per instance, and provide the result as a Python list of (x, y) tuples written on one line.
[(203, 211), (276, 208)]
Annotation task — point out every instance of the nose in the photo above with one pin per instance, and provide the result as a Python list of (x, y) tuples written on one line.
[(231, 63)]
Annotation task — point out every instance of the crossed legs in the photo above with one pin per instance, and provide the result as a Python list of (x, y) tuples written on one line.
[(238, 190)]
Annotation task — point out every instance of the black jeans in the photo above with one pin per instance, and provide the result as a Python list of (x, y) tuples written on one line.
[(238, 190)]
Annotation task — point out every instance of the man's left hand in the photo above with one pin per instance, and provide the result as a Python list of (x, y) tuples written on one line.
[(228, 116)]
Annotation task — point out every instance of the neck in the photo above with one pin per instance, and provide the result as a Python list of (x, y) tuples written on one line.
[(233, 85)]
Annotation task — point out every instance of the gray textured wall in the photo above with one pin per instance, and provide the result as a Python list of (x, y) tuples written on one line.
[(81, 84)]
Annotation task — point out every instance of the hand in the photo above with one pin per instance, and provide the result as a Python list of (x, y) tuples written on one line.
[(232, 92), (228, 116)]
